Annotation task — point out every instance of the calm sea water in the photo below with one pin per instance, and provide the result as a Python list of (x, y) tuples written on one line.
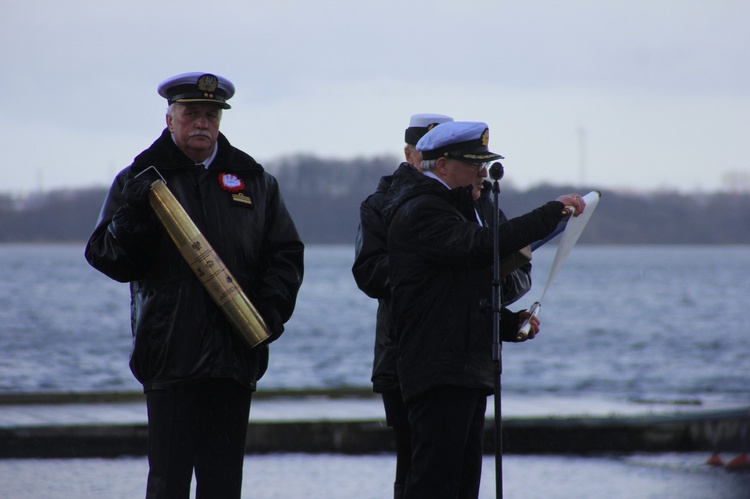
[(645, 323), (652, 324), (285, 476)]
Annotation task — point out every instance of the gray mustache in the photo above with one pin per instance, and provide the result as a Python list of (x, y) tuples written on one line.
[(199, 132)]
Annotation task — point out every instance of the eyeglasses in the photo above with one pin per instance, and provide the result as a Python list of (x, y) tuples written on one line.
[(477, 166)]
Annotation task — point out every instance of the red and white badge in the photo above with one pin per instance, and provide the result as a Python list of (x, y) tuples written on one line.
[(231, 182)]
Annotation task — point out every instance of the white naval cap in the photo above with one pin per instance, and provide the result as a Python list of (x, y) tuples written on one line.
[(463, 140), (420, 124), (197, 87)]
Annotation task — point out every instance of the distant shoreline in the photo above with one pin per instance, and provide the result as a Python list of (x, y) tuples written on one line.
[(324, 202)]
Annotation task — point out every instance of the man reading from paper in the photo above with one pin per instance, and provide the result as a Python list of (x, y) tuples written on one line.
[(441, 258)]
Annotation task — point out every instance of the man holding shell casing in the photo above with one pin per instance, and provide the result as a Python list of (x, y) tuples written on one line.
[(197, 373)]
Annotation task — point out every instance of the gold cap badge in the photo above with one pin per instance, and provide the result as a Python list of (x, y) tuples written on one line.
[(208, 83)]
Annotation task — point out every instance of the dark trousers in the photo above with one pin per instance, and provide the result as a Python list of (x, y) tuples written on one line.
[(197, 426), (447, 425), (397, 417)]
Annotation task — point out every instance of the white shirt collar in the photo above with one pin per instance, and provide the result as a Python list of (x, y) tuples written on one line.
[(432, 175), (208, 160)]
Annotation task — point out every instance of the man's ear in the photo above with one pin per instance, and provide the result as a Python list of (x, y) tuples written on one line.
[(442, 165), (169, 122)]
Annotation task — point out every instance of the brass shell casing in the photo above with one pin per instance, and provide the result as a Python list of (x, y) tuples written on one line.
[(208, 267)]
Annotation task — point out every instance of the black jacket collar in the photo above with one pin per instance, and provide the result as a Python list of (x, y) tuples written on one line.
[(164, 154)]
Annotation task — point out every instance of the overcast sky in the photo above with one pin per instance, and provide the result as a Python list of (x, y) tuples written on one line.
[(636, 94)]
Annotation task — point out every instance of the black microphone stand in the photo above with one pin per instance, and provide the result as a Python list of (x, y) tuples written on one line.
[(496, 173)]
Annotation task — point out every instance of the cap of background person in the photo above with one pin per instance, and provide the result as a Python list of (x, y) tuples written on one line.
[(420, 124), (197, 87), (463, 140)]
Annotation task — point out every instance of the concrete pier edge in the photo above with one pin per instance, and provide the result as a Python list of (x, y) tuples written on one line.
[(723, 430)]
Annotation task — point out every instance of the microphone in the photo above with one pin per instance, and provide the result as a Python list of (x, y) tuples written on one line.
[(496, 171)]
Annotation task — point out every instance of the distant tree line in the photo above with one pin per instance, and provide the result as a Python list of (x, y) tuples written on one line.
[(324, 197)]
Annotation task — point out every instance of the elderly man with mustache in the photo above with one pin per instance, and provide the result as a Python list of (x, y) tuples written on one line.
[(197, 375)]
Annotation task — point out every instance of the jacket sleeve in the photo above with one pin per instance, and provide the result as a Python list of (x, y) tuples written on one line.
[(282, 263), (523, 230), (516, 284), (445, 238), (509, 324), (123, 238), (370, 269)]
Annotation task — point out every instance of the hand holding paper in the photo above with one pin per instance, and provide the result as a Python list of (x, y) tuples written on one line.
[(570, 235)]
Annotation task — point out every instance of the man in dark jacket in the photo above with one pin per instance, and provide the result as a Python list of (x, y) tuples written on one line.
[(440, 259), (197, 374), (371, 273)]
